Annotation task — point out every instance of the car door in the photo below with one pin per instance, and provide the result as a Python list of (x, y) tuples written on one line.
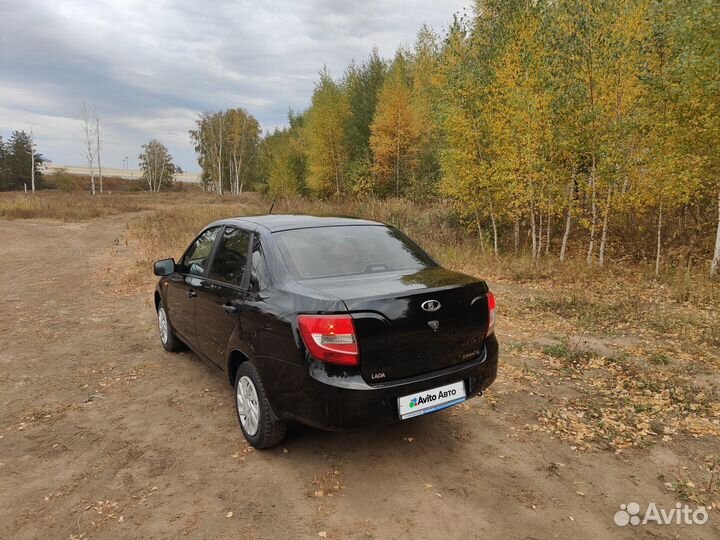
[(260, 316), (221, 293), (183, 285)]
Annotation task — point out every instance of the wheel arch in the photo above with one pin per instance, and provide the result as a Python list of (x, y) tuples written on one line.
[(235, 359)]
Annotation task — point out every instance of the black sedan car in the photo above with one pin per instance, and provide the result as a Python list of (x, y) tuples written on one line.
[(336, 323)]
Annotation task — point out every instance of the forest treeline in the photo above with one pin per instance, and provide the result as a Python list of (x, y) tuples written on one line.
[(542, 120)]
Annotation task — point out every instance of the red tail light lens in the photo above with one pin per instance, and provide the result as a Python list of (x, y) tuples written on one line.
[(330, 338), (491, 313)]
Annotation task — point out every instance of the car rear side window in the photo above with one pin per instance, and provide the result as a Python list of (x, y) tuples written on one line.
[(196, 257), (258, 270), (349, 250), (230, 260)]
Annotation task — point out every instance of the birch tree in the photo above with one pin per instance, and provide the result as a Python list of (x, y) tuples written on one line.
[(157, 165), (4, 165), (362, 83), (209, 139), (32, 162), (89, 138), (394, 133), (327, 151), (243, 133), (99, 149), (466, 157)]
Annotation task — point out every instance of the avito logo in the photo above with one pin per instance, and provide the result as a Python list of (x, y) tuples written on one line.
[(428, 398), (630, 514)]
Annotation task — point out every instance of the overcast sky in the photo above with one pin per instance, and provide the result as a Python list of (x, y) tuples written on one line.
[(150, 66)]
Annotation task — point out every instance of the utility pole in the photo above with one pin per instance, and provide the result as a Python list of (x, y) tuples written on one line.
[(97, 120), (32, 164)]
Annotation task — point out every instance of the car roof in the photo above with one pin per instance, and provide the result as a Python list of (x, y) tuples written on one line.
[(286, 222)]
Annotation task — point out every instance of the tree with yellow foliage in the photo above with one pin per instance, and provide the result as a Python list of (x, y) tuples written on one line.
[(463, 78), (327, 151), (394, 132)]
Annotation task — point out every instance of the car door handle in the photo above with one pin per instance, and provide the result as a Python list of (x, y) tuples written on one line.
[(230, 309), (191, 293)]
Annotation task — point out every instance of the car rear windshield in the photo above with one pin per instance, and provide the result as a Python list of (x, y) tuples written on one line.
[(349, 250)]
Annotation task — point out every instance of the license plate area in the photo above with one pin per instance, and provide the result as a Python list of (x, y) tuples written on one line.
[(428, 401)]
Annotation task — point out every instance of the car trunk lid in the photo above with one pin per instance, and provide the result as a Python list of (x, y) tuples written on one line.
[(411, 324)]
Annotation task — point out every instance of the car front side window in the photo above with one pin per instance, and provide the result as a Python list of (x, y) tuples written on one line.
[(230, 261), (196, 258)]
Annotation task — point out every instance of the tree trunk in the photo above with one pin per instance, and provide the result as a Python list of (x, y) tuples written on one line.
[(232, 177), (517, 236), (716, 257), (92, 181), (32, 165), (591, 246), (97, 130), (568, 221), (532, 232), (540, 235), (397, 169), (480, 232), (495, 233), (659, 241), (603, 240), (336, 166), (547, 241), (566, 236), (160, 176)]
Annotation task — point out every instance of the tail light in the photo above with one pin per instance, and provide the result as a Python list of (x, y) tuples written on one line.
[(491, 313), (330, 338)]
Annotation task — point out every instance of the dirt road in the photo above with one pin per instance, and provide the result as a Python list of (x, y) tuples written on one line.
[(104, 435)]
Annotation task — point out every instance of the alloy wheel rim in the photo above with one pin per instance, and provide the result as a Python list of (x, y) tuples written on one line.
[(247, 405), (163, 325)]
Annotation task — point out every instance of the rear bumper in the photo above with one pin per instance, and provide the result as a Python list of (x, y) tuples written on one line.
[(342, 403)]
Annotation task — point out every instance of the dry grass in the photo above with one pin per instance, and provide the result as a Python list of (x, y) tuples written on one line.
[(64, 206), (79, 206)]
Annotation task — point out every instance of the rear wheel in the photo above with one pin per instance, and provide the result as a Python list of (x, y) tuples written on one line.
[(169, 340), (258, 422)]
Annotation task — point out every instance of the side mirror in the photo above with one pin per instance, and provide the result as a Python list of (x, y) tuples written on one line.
[(165, 267)]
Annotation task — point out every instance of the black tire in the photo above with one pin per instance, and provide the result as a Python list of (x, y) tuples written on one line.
[(169, 340), (270, 429)]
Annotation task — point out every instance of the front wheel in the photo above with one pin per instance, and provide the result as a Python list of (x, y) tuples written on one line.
[(258, 422), (169, 340)]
